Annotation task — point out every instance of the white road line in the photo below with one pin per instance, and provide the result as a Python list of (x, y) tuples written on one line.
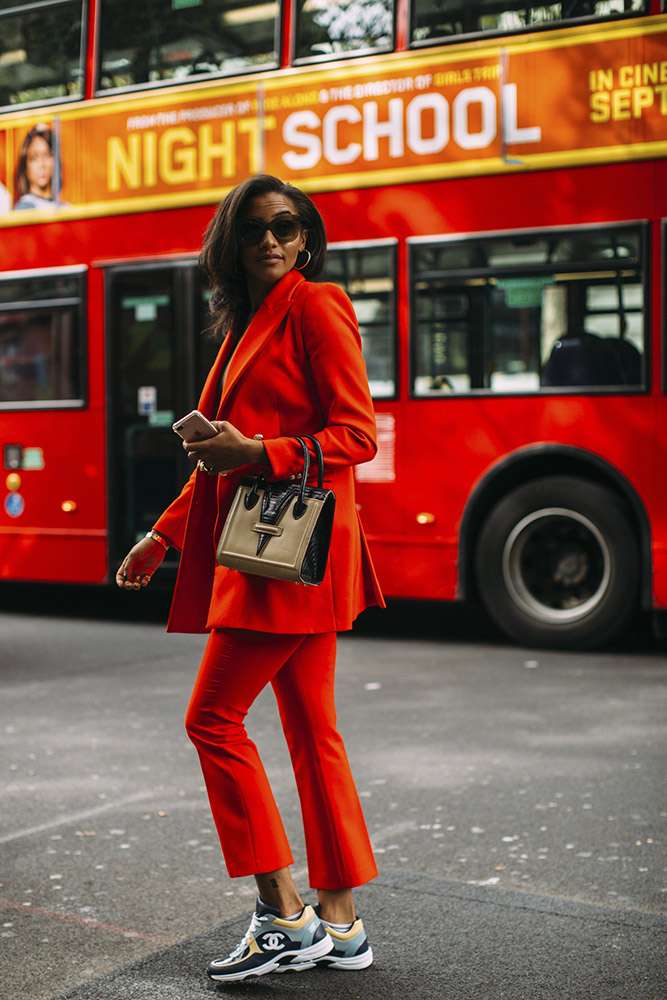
[(76, 817), (95, 925)]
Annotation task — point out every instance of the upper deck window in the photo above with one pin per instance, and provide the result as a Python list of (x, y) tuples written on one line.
[(40, 51), (162, 41), (41, 340), (349, 27), (367, 272), (557, 311), (444, 19)]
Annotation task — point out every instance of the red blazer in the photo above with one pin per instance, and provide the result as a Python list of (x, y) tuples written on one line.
[(297, 370)]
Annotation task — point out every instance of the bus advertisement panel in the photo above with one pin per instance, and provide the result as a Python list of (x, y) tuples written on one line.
[(580, 96)]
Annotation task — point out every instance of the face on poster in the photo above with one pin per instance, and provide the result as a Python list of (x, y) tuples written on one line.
[(33, 151)]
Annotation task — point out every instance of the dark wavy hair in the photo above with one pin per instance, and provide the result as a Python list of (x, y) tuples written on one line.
[(220, 257), (21, 183)]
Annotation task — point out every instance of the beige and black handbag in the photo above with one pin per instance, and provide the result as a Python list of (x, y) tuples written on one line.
[(280, 529)]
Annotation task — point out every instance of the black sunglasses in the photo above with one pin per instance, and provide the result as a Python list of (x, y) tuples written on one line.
[(285, 229)]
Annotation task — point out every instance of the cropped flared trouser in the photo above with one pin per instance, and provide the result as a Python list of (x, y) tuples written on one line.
[(236, 666)]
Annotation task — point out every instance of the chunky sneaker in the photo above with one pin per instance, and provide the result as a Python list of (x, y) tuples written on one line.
[(351, 949), (272, 944)]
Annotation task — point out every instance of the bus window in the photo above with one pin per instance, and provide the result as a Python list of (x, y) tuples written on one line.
[(349, 26), (528, 311), (367, 273), (206, 342), (452, 18), (40, 52), (175, 40), (41, 341)]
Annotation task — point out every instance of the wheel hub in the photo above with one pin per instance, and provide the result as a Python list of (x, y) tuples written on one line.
[(556, 565), (572, 568)]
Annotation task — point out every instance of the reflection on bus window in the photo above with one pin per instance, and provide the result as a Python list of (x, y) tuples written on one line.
[(327, 29), (40, 52), (176, 40), (367, 274), (525, 312), (40, 341), (39, 357), (447, 18), (207, 342)]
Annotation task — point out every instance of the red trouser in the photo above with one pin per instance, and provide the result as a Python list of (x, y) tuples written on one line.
[(236, 666)]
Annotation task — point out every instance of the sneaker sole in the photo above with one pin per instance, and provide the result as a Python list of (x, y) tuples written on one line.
[(231, 977), (289, 961), (306, 958), (353, 962)]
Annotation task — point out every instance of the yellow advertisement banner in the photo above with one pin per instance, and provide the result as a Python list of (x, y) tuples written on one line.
[(572, 96)]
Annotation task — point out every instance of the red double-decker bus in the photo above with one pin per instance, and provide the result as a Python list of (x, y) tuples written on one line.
[(492, 177)]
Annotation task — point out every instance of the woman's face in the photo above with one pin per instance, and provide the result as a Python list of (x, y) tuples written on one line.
[(39, 167), (268, 261)]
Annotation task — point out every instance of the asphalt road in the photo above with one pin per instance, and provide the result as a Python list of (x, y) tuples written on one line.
[(515, 798)]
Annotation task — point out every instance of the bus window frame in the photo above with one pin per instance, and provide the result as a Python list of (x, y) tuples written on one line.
[(83, 49), (134, 88), (644, 228), (476, 36), (80, 402), (371, 244), (335, 56)]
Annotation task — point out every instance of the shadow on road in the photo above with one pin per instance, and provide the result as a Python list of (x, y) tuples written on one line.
[(435, 620), (426, 619)]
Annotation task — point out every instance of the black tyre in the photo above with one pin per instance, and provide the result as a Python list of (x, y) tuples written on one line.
[(557, 563)]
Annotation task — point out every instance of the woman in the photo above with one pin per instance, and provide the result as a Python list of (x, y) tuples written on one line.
[(33, 185), (290, 364)]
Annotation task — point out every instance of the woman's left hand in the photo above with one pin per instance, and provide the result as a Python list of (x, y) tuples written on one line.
[(228, 450)]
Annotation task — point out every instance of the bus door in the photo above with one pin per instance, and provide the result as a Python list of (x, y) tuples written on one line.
[(158, 353)]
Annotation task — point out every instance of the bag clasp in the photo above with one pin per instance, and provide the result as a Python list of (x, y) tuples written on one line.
[(267, 529)]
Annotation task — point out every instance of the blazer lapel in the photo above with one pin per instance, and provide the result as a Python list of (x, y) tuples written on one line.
[(269, 316)]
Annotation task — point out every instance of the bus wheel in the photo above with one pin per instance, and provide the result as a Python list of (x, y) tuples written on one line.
[(557, 563)]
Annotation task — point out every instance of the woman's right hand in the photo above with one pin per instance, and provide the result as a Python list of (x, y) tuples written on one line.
[(139, 564)]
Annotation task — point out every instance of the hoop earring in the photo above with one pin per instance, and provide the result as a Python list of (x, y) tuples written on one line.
[(303, 266)]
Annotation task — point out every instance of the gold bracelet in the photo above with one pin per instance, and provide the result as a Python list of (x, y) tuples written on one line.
[(157, 538)]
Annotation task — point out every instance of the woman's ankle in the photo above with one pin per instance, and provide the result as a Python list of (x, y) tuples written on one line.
[(336, 906), (277, 889)]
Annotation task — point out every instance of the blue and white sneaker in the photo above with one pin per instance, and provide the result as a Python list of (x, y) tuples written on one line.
[(351, 949), (272, 944)]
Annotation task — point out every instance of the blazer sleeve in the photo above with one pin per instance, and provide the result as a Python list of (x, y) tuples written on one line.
[(332, 346), (171, 524)]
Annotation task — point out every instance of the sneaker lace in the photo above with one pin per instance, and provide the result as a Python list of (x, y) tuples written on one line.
[(255, 924)]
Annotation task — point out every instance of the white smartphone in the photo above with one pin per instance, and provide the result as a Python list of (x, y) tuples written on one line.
[(194, 427)]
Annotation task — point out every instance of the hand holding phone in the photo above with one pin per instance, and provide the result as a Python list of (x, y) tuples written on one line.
[(194, 427)]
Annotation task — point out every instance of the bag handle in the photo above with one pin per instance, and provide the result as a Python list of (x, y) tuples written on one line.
[(320, 459), (300, 506)]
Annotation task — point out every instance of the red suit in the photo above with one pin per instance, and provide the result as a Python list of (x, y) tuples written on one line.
[(298, 369)]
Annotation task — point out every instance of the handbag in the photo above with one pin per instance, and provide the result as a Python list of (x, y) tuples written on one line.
[(280, 529)]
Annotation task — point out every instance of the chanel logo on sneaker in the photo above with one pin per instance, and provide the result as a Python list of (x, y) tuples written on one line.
[(272, 942)]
